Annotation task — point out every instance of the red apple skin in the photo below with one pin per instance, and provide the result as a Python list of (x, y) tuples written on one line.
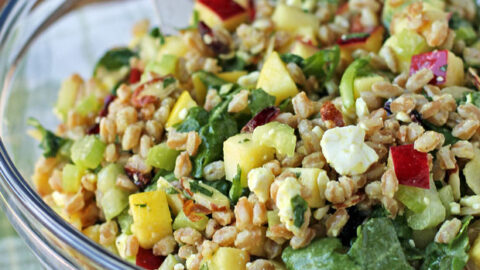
[(225, 9), (147, 260), (435, 61), (411, 166)]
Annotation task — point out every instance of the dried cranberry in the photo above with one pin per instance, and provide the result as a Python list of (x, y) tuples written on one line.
[(139, 179), (146, 259), (416, 116), (264, 116), (134, 76), (95, 129), (209, 38), (386, 106), (106, 102), (251, 10)]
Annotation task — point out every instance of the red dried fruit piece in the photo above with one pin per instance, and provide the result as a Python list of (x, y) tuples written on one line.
[(139, 179), (135, 75), (436, 61), (330, 113), (106, 102), (209, 38), (92, 130), (411, 166), (147, 260), (264, 116)]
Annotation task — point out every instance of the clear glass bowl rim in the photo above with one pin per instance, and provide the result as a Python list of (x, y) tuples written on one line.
[(14, 187)]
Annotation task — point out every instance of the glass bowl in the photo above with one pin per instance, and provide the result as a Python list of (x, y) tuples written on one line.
[(41, 43)]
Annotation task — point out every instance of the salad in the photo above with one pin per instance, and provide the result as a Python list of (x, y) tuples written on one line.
[(288, 134)]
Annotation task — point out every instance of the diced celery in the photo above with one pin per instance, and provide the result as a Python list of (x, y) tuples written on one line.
[(88, 105), (273, 218), (125, 221), (169, 263), (88, 151), (161, 156), (446, 196), (412, 197), (182, 221), (276, 135), (107, 177), (67, 95), (346, 86), (71, 178), (165, 66), (113, 202), (431, 216)]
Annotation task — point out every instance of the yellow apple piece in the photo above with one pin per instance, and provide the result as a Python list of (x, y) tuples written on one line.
[(180, 109)]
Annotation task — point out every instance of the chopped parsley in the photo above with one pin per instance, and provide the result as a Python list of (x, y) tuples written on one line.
[(196, 187), (299, 206)]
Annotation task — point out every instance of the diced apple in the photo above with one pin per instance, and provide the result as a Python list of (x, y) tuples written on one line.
[(391, 7), (147, 260), (240, 150), (199, 89), (293, 20), (214, 199), (174, 45), (411, 166), (182, 221), (227, 258), (303, 49), (404, 45), (174, 199), (315, 180), (446, 67), (232, 76), (371, 42), (276, 135), (363, 84), (180, 109), (475, 252), (276, 80), (151, 217), (472, 172), (226, 13), (169, 263)]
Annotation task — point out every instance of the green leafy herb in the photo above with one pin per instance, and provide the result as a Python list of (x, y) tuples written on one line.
[(210, 80), (195, 187), (114, 59), (142, 205), (286, 105), (299, 206), (292, 58), (204, 266), (378, 247), (470, 98), (463, 29), (125, 221), (322, 64), (322, 254), (355, 36), (259, 100), (171, 190), (236, 189), (196, 118), (50, 143), (168, 81), (234, 63), (221, 185), (447, 133), (156, 33), (451, 256)]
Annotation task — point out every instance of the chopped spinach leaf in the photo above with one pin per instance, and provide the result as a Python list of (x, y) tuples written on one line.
[(292, 58), (156, 33), (236, 189), (168, 81), (195, 187), (50, 143), (323, 63), (196, 118), (299, 206), (210, 80), (452, 256), (286, 105), (378, 247), (114, 59), (221, 185), (321, 254), (447, 133), (470, 98), (234, 63), (259, 100)]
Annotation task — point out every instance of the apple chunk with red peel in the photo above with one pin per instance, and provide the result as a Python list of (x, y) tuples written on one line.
[(368, 41), (411, 166), (147, 260), (447, 68), (226, 13)]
